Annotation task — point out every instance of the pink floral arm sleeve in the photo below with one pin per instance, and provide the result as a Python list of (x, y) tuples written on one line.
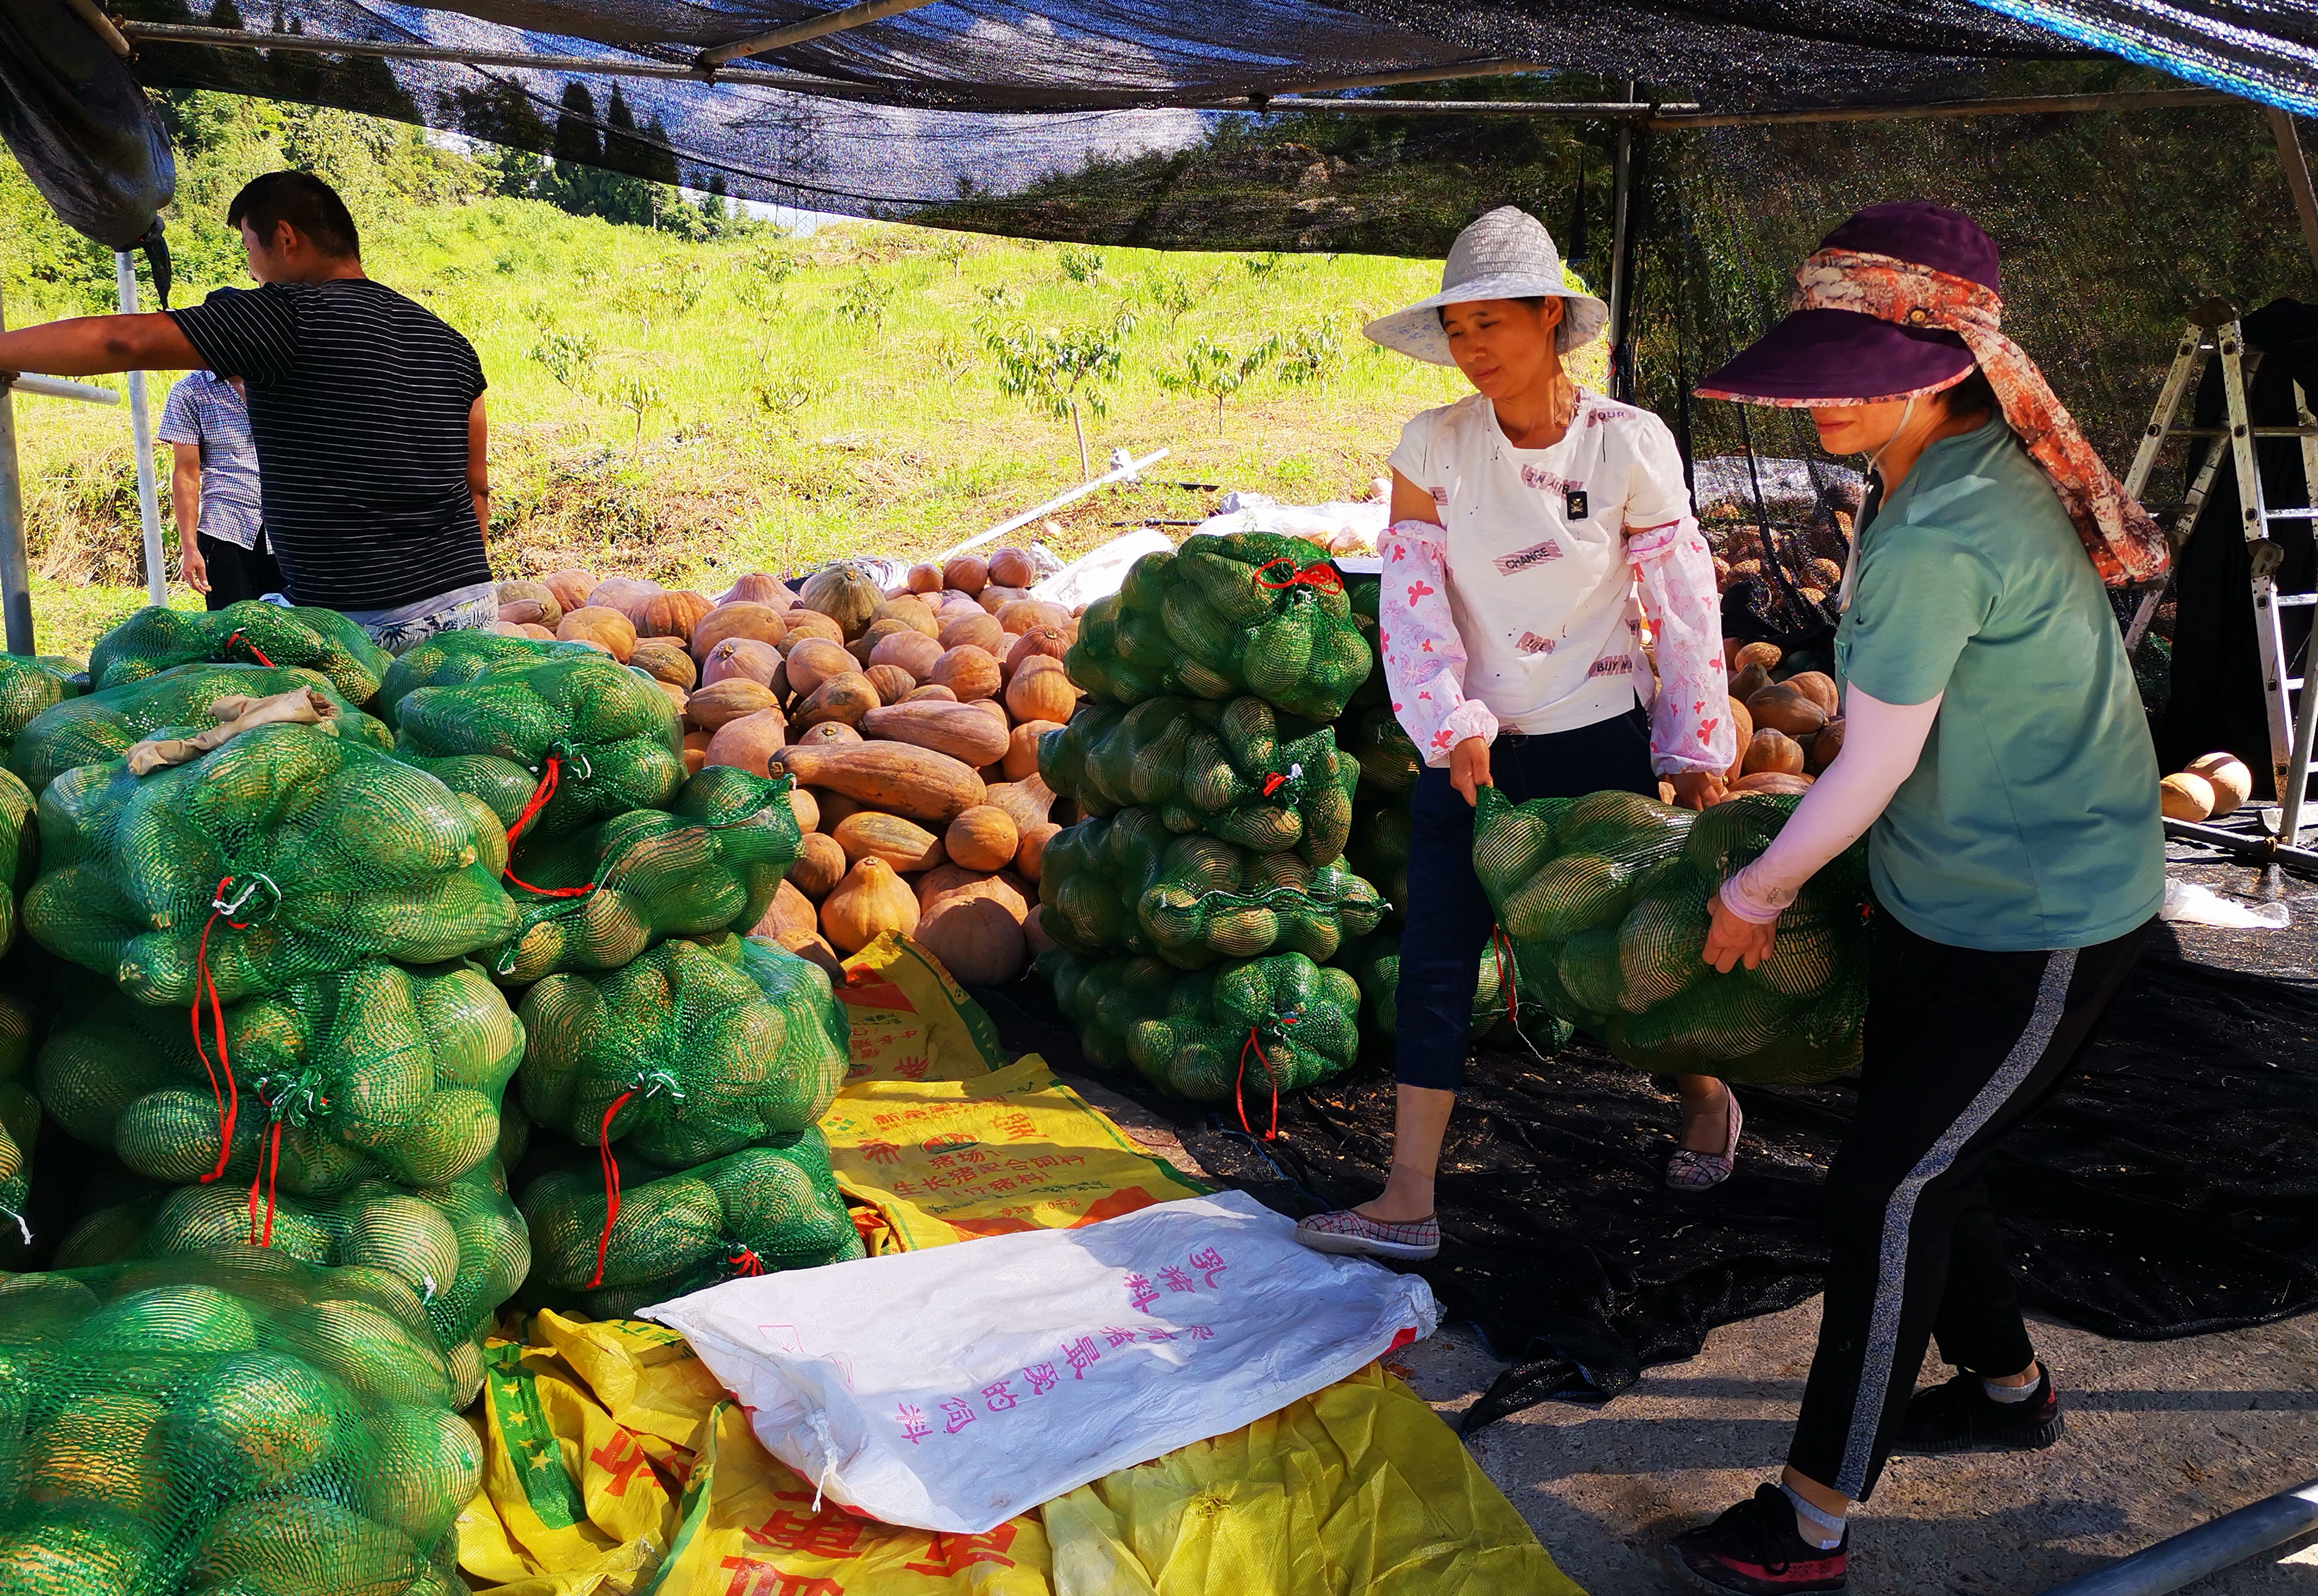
[(1424, 656), (1690, 722)]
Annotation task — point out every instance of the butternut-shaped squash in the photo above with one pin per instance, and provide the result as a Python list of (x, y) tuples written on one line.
[(965, 731), (846, 698), (1029, 800), (898, 777), (541, 633), (749, 741), (875, 634), (1778, 784), (870, 901), (893, 683), (821, 865), (571, 587), (758, 662), (976, 941), (968, 671), (759, 621), (1022, 747), (1748, 680), (664, 659), (904, 845), (1782, 707), (913, 652), (547, 608), (1031, 853), (714, 707), (814, 661), (1012, 567), (606, 628), (1041, 690), (676, 696), (983, 837), (1825, 743)]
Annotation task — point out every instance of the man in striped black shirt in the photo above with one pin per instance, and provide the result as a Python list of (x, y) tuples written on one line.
[(367, 411)]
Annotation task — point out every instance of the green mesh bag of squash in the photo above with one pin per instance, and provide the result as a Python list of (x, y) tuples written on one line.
[(597, 898), (101, 725), (1237, 770), (20, 1117), (578, 739), (754, 1212), (1248, 612), (237, 1423), (449, 659), (1364, 594), (1378, 851), (1380, 746), (250, 632), (376, 1072), (1126, 884), (1374, 963), (284, 854), (687, 1053), (462, 1248), (29, 687), (1605, 901), (1240, 1032)]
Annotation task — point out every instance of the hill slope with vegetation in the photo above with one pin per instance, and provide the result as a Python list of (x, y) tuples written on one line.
[(709, 395)]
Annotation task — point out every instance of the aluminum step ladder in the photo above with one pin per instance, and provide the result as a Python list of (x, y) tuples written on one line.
[(2214, 331)]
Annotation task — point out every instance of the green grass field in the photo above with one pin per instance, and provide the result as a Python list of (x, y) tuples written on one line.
[(682, 410)]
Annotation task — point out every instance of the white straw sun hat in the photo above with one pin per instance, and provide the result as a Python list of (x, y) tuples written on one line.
[(1506, 255)]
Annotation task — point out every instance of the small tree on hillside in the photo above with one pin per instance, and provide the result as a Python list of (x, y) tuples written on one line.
[(1215, 370), (1058, 371)]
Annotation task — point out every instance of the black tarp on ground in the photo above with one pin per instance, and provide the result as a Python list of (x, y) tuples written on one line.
[(2171, 1190)]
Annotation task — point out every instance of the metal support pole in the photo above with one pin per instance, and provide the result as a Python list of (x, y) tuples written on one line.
[(141, 428), (16, 566), (2298, 177), (1620, 197), (1122, 470), (2194, 1554)]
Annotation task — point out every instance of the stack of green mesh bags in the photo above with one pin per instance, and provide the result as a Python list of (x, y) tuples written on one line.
[(237, 1421), (1605, 902), (1388, 765), (677, 1066), (1196, 908)]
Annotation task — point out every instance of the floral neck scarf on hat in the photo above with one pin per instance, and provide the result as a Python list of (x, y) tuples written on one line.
[(2122, 539)]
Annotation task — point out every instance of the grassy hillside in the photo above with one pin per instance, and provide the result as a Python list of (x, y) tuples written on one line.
[(678, 409)]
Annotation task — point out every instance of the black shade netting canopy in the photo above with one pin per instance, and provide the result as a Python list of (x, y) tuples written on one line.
[(1109, 120), (2169, 1188)]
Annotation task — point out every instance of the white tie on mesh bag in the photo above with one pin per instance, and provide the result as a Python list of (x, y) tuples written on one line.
[(953, 1388)]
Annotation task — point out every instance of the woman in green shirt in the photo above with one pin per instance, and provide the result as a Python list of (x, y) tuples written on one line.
[(1996, 753)]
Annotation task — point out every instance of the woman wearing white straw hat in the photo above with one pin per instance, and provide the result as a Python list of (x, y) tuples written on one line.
[(1526, 517)]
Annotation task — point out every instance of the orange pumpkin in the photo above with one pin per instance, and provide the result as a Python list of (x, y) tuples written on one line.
[(974, 939), (744, 618), (621, 593), (1041, 690), (664, 659), (1020, 615), (742, 657), (715, 707), (967, 573), (803, 622), (978, 630), (821, 865), (757, 587), (696, 750), (982, 838), (968, 671), (912, 611), (911, 651), (1031, 853), (932, 693), (669, 615), (1013, 568), (871, 900), (893, 683), (925, 578), (571, 587), (606, 628), (749, 741), (1022, 747), (815, 660)]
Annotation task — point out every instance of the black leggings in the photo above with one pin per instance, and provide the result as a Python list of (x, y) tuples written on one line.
[(1960, 1046)]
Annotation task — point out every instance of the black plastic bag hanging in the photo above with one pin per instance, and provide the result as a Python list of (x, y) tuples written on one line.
[(80, 126)]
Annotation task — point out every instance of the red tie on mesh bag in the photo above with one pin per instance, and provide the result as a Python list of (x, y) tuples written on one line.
[(648, 1086), (258, 653), (1320, 574), (227, 1097), (550, 776), (1255, 1044)]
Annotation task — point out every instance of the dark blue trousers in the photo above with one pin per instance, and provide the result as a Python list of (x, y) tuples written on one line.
[(1449, 916)]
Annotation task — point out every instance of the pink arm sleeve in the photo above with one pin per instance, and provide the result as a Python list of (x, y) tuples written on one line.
[(1424, 656), (1690, 720), (1881, 744)]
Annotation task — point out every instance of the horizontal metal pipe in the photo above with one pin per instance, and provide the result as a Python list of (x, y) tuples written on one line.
[(816, 27), (2255, 845), (1446, 72), (57, 388), (1116, 474), (2022, 105), (2194, 1554)]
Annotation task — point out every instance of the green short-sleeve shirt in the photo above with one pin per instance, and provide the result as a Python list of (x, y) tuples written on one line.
[(2031, 821)]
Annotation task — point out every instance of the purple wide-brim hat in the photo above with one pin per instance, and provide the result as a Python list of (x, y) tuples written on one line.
[(1823, 357)]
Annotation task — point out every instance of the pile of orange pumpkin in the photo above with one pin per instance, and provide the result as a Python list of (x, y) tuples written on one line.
[(908, 716), (1788, 729)]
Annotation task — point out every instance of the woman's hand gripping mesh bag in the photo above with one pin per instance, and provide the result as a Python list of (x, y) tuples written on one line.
[(1126, 884), (237, 1423), (250, 632), (691, 1052), (548, 745), (1242, 1032), (1237, 770), (1247, 613), (597, 898), (285, 853), (103, 725), (461, 1247), (755, 1212), (1605, 900)]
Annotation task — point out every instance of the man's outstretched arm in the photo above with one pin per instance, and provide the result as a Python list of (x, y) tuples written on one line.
[(91, 345)]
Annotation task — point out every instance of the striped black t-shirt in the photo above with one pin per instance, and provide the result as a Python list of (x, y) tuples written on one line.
[(358, 400)]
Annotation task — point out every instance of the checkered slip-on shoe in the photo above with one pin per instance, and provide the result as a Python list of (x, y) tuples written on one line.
[(1344, 1230)]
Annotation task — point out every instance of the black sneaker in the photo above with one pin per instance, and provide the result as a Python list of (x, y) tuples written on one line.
[(1753, 1550), (1962, 1417)]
